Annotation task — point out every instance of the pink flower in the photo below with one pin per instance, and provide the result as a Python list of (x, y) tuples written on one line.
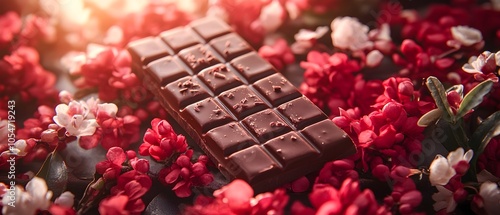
[(279, 54), (22, 75), (483, 66), (161, 141), (10, 23), (271, 16), (349, 33), (183, 174), (73, 117)]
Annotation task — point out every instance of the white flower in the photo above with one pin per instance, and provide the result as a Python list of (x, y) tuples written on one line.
[(272, 16), (73, 117), (349, 33), (66, 199), (486, 60), (441, 169), (491, 196), (444, 199), (466, 36), (36, 197), (305, 39), (374, 58), (4, 126), (20, 146), (382, 33)]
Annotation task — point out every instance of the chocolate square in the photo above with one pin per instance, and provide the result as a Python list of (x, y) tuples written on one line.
[(205, 115), (230, 46), (179, 38), (227, 139), (252, 164), (266, 125), (147, 49), (166, 70), (252, 66), (276, 89), (210, 28), (301, 112), (242, 101), (198, 57), (219, 78), (290, 149), (183, 92)]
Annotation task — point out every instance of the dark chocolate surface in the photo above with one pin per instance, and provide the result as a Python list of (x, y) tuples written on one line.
[(249, 119)]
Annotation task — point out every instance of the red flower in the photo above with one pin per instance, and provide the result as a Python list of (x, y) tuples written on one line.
[(10, 23), (236, 198), (329, 80), (114, 205), (161, 141), (335, 172), (126, 194), (112, 167), (22, 75), (279, 54), (349, 199), (183, 174), (490, 158)]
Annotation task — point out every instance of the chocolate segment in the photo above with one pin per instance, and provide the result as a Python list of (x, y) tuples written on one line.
[(219, 78), (166, 70), (242, 101), (266, 125), (184, 91), (276, 89), (228, 139), (179, 38), (249, 119), (147, 50), (327, 141), (301, 112), (290, 149), (230, 46), (205, 115), (210, 28), (252, 66)]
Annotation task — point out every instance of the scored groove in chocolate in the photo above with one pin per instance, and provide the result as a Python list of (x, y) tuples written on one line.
[(246, 116)]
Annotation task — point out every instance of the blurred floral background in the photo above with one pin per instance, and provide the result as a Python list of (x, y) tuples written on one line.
[(414, 84)]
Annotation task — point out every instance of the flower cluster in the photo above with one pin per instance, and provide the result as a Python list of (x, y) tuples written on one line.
[(35, 198), (389, 135), (95, 123), (279, 54), (111, 168), (161, 142), (348, 199), (445, 174), (238, 198), (182, 175), (127, 194)]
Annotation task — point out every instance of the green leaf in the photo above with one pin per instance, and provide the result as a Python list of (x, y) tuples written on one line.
[(55, 173), (474, 97), (488, 129), (429, 118), (439, 94)]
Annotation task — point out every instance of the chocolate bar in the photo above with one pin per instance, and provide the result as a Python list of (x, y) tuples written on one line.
[(247, 117)]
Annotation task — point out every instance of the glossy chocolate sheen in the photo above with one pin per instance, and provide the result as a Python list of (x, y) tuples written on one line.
[(248, 118)]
